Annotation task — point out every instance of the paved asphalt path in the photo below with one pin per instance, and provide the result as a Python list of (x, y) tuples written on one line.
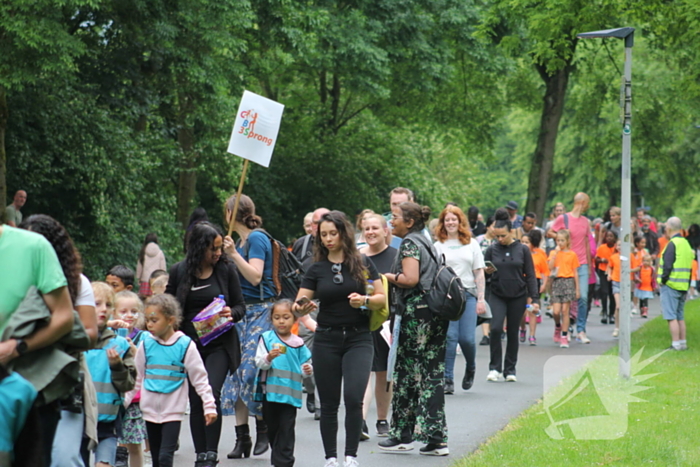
[(472, 416)]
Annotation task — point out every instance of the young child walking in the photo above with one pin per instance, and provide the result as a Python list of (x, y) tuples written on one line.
[(539, 259), (128, 312), (111, 365), (284, 361), (646, 284), (164, 360), (565, 287), (614, 279)]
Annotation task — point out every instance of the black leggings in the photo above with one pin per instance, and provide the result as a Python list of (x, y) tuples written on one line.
[(344, 357), (280, 419), (206, 438), (502, 308), (163, 438), (606, 295)]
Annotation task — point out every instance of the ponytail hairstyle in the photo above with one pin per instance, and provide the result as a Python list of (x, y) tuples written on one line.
[(246, 212), (502, 219), (418, 214), (567, 236), (351, 256)]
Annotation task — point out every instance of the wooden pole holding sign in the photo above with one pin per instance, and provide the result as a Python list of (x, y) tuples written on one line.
[(254, 136), (238, 197)]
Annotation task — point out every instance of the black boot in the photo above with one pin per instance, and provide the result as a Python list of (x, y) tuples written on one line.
[(311, 402), (243, 443), (122, 459), (262, 442)]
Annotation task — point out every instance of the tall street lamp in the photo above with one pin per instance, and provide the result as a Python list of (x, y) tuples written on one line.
[(625, 226)]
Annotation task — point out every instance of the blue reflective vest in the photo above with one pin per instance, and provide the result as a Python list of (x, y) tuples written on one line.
[(283, 382), (109, 400), (17, 396), (165, 364)]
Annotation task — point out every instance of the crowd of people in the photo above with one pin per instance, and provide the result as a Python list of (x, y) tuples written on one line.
[(103, 373)]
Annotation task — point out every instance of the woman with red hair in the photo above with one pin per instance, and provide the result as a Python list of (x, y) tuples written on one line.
[(463, 254)]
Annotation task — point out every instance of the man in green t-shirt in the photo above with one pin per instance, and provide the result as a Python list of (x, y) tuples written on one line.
[(13, 215), (28, 259)]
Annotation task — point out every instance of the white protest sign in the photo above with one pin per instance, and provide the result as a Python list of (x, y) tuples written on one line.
[(255, 130)]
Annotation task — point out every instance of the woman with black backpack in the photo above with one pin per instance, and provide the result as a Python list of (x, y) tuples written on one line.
[(513, 287), (419, 375), (253, 257)]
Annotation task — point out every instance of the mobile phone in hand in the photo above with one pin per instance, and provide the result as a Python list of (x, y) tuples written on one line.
[(489, 264)]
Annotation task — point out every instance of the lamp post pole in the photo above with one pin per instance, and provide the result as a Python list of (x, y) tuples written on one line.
[(626, 195)]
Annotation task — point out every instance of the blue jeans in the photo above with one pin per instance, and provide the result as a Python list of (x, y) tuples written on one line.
[(462, 331), (583, 272), (66, 443)]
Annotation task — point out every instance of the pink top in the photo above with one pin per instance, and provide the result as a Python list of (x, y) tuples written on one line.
[(161, 408), (580, 231)]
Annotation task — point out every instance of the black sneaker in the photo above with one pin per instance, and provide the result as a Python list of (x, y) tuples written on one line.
[(317, 414), (468, 380), (201, 460), (604, 320), (449, 387), (611, 320), (484, 340), (382, 428), (435, 449), (394, 445), (364, 436)]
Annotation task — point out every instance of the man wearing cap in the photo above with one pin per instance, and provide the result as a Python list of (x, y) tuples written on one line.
[(515, 219)]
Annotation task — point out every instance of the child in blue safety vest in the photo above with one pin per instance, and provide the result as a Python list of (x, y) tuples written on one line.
[(284, 361), (165, 360), (111, 365)]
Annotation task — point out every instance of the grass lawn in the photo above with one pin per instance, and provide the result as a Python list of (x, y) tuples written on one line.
[(663, 431)]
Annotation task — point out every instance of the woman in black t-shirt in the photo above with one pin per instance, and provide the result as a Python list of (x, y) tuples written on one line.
[(203, 275), (343, 346)]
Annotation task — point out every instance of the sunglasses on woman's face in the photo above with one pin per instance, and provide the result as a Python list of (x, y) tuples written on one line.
[(337, 269)]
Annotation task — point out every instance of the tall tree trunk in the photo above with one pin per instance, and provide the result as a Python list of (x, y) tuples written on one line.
[(541, 169), (4, 114), (187, 184)]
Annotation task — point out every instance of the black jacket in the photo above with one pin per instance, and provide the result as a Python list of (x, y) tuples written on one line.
[(226, 274), (515, 271)]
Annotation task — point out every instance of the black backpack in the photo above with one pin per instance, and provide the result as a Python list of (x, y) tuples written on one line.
[(446, 298), (287, 271)]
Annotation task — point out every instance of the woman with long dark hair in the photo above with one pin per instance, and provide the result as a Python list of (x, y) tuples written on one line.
[(463, 254), (69, 433), (343, 345), (513, 286), (203, 275), (419, 375), (252, 256), (151, 258)]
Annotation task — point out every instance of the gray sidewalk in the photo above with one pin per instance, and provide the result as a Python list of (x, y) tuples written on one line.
[(472, 416)]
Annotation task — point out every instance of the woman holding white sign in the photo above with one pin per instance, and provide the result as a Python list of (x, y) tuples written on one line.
[(252, 255)]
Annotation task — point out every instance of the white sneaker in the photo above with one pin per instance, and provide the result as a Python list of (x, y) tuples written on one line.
[(511, 379), (493, 375), (616, 332), (331, 462), (582, 338), (351, 461), (147, 459)]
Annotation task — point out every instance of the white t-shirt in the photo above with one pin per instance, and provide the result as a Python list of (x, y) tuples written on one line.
[(85, 297), (462, 258)]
